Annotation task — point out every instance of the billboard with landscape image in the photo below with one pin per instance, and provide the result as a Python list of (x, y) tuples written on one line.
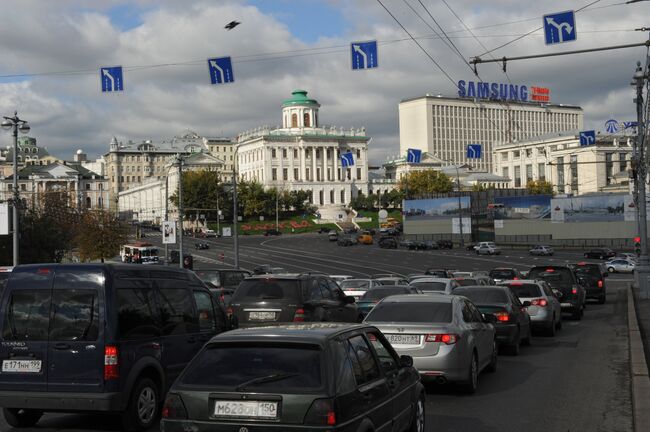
[(522, 207), (435, 208), (591, 208)]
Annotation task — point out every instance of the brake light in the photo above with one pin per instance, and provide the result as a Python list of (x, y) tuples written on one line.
[(550, 270), (299, 316), (174, 407), (222, 297), (515, 278), (539, 302), (574, 290), (600, 283), (581, 263), (321, 412), (516, 284), (111, 363), (447, 339), (502, 316)]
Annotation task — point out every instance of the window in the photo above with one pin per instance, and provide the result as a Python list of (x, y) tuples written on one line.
[(306, 119), (75, 315), (506, 172), (176, 311), (294, 120), (295, 153), (28, 315), (574, 174), (284, 153), (87, 186), (88, 202), (273, 153), (136, 314), (23, 187), (529, 173), (296, 175), (325, 289), (345, 378), (622, 161), (529, 153), (517, 176), (274, 173), (285, 174), (504, 156), (560, 174), (609, 167), (358, 173), (365, 367), (205, 311), (358, 154), (515, 154), (387, 359), (307, 174), (541, 171)]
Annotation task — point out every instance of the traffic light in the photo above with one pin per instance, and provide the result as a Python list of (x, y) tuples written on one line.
[(637, 245), (188, 262)]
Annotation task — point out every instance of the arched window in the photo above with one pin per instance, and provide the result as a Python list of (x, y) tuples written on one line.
[(294, 120), (306, 119), (88, 202)]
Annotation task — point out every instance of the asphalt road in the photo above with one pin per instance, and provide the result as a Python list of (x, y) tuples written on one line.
[(578, 381)]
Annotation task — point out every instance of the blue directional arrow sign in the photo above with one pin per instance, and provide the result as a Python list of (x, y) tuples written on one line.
[(414, 155), (364, 55), (111, 78), (473, 151), (220, 70), (347, 159), (560, 27), (587, 137)]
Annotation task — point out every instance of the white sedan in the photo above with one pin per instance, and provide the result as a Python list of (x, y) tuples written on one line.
[(619, 265)]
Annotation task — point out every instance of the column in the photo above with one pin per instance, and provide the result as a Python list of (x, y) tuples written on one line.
[(324, 169), (313, 163), (303, 164), (335, 156)]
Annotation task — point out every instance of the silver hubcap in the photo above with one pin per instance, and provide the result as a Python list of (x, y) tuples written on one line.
[(146, 405), (419, 419)]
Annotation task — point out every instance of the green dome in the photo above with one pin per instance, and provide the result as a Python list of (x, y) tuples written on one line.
[(299, 97)]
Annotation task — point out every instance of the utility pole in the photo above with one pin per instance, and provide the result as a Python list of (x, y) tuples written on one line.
[(460, 210), (234, 209), (642, 271), (181, 258), (166, 215)]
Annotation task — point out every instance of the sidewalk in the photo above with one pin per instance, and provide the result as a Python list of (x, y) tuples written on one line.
[(640, 335)]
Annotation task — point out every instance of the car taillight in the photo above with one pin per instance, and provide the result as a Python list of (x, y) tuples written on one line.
[(299, 316), (321, 412), (515, 278), (600, 283), (502, 316), (111, 364), (222, 297), (539, 302), (174, 407), (447, 339), (574, 290)]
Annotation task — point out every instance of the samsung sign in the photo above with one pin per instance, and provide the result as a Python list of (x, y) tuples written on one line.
[(506, 92)]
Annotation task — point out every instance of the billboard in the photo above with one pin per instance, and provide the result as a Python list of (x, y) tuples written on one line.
[(435, 208), (522, 207), (592, 208), (169, 232)]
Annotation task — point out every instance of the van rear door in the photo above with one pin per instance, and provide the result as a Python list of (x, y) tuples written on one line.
[(76, 348), (24, 329)]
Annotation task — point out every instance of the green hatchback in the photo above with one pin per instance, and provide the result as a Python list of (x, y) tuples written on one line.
[(308, 377)]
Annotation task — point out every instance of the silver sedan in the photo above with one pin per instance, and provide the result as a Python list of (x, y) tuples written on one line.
[(541, 303), (618, 265), (448, 338)]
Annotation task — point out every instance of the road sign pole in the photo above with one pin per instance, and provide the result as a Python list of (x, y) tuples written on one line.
[(460, 210), (181, 258)]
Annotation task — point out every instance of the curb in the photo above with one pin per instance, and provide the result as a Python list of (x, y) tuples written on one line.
[(639, 370)]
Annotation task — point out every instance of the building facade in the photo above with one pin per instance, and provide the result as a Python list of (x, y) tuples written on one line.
[(570, 167), (302, 155), (444, 126)]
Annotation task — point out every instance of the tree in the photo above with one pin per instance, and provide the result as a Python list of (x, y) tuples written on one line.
[(100, 235), (539, 187), (203, 189), (425, 182)]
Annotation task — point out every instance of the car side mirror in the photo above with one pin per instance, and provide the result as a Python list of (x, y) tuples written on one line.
[(349, 299), (527, 303), (406, 361), (490, 318)]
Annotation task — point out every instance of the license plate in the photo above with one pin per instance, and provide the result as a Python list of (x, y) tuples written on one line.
[(262, 315), (249, 409), (21, 366), (566, 304), (400, 339)]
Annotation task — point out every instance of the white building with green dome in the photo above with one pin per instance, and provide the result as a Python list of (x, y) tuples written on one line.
[(303, 155)]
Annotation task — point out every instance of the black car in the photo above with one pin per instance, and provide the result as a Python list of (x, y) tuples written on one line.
[(564, 280), (387, 243), (439, 273), (272, 232), (445, 244), (347, 240), (268, 269), (471, 246), (600, 253), (284, 298), (222, 282), (324, 230), (318, 377), (513, 325), (594, 275), (99, 337), (201, 246), (501, 274)]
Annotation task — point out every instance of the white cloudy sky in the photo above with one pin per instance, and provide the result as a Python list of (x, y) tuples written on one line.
[(282, 45)]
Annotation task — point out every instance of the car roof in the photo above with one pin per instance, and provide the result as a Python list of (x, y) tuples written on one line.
[(432, 279), (481, 287), (519, 281), (314, 333), (418, 298)]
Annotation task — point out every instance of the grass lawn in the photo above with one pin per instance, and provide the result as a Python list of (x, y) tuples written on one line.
[(295, 225)]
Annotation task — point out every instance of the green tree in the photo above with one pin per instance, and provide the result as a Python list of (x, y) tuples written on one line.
[(539, 187), (100, 235), (419, 183), (204, 190)]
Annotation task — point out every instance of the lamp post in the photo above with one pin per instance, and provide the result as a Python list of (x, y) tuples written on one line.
[(15, 124), (234, 208)]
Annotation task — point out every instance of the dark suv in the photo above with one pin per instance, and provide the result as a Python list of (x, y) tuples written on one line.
[(564, 280), (99, 337), (284, 298), (222, 282), (594, 276), (318, 377), (600, 253)]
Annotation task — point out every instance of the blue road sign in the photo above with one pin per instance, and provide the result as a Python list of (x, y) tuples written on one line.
[(611, 126), (413, 155), (587, 137), (111, 78), (630, 124), (220, 70), (364, 55), (473, 151), (347, 159), (560, 27)]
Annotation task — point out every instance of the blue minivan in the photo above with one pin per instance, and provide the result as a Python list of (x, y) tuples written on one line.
[(99, 338)]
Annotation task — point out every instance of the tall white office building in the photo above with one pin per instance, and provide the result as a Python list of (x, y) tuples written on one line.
[(444, 126)]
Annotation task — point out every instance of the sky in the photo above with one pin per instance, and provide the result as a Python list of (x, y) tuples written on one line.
[(52, 52)]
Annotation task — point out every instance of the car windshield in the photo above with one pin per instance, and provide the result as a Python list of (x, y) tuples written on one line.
[(263, 366), (592, 270), (557, 277), (417, 312), (380, 293), (429, 286), (267, 289), (525, 290), (355, 284), (209, 277), (483, 295), (503, 274), (437, 273)]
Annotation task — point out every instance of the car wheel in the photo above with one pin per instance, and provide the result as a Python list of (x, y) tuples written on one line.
[(611, 269), (419, 416), (21, 418), (143, 408), (550, 331), (492, 367), (471, 384), (602, 299)]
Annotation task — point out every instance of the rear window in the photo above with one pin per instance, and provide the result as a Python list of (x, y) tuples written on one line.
[(503, 274), (267, 289), (210, 277), (592, 270), (380, 293), (526, 290), (354, 284), (467, 282), (265, 367), (481, 296), (429, 286), (28, 315), (557, 277), (417, 313), (437, 273)]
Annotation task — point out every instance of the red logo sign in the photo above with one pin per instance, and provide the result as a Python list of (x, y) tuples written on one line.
[(540, 94)]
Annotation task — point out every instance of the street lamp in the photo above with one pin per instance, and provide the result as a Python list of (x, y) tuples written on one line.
[(15, 124)]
